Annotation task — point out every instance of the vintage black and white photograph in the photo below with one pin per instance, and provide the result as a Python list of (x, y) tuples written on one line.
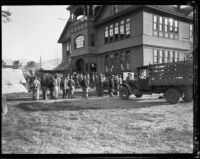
[(97, 79)]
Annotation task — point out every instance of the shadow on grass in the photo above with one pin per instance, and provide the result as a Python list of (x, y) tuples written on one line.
[(85, 105)]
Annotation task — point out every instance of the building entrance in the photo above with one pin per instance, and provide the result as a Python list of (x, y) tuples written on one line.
[(80, 66)]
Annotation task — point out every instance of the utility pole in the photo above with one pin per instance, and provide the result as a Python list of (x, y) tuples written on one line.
[(40, 62)]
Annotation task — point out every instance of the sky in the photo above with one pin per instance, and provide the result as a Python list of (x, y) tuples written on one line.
[(34, 32)]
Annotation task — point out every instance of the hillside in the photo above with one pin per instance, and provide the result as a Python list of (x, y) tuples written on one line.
[(50, 64), (47, 65)]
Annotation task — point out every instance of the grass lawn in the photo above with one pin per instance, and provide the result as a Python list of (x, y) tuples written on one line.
[(98, 125)]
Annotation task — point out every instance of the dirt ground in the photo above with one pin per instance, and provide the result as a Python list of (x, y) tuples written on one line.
[(97, 125)]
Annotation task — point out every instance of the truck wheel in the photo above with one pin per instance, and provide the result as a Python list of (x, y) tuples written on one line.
[(138, 95), (187, 94), (172, 96), (124, 94)]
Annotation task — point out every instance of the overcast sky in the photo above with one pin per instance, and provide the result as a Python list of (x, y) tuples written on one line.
[(33, 32)]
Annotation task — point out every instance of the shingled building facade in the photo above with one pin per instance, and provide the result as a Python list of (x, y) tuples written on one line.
[(119, 38)]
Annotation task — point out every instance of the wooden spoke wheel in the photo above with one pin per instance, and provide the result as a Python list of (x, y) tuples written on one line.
[(187, 94), (138, 95), (124, 94), (172, 96)]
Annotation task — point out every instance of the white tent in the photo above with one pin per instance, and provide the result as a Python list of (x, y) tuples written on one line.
[(12, 81)]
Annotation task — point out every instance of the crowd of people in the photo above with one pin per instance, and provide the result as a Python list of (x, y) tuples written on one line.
[(67, 83)]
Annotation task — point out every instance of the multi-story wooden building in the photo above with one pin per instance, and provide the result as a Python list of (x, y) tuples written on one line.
[(119, 38)]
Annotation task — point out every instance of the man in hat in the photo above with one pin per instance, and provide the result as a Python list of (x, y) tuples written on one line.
[(111, 84), (36, 88)]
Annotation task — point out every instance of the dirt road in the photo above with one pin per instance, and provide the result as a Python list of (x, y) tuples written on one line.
[(98, 125)]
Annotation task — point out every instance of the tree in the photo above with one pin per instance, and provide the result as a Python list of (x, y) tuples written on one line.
[(17, 64), (5, 13), (31, 64)]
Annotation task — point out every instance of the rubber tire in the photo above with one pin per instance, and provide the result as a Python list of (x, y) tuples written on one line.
[(173, 96), (124, 90), (138, 95), (187, 94)]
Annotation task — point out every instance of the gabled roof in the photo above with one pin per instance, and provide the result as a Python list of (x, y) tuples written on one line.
[(60, 40), (99, 12)]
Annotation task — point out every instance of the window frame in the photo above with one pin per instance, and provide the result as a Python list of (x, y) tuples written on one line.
[(106, 32), (116, 27), (167, 28), (68, 49), (191, 32), (128, 23), (111, 30), (83, 43), (120, 29)]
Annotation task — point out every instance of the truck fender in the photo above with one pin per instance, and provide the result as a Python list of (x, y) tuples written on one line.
[(127, 86)]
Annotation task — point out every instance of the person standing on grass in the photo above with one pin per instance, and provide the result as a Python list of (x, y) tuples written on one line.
[(117, 85), (111, 84), (64, 86), (76, 81), (100, 85), (36, 88), (92, 81), (51, 86), (55, 87), (85, 85), (80, 79), (44, 86), (58, 82), (120, 79), (71, 85)]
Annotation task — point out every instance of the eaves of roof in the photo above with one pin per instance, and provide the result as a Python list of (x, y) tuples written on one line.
[(60, 40), (145, 7)]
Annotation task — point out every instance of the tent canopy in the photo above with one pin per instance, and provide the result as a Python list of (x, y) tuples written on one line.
[(12, 81)]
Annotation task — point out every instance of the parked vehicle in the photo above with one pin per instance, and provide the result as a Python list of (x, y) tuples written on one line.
[(174, 80)]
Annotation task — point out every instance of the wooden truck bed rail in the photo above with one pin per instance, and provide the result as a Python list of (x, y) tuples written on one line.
[(177, 73)]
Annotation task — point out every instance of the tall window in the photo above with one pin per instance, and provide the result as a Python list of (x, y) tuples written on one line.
[(68, 49), (171, 25), (155, 25), (79, 42), (112, 66), (191, 33), (160, 24), (123, 61), (106, 63), (92, 40), (111, 32), (170, 56), (117, 62), (165, 56), (155, 22), (106, 34), (165, 27), (121, 29), (116, 31), (155, 56), (116, 8), (176, 56), (128, 60), (128, 26), (160, 56)]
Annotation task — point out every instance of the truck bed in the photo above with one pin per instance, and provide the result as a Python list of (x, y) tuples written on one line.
[(177, 73)]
